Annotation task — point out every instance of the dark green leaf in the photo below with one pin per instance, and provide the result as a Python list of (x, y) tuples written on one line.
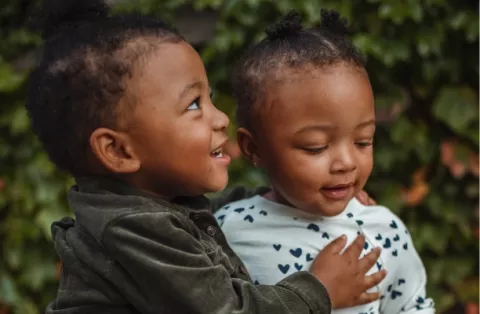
[(457, 107)]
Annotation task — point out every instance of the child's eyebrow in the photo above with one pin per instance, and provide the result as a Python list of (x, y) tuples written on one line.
[(366, 123), (329, 127), (316, 127), (190, 86)]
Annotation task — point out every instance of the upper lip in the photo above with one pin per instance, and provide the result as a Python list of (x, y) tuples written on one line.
[(339, 186), (222, 144)]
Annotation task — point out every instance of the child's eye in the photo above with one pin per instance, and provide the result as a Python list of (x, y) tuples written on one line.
[(364, 144), (195, 105), (315, 150)]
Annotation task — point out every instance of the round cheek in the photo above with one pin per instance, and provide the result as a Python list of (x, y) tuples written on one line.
[(203, 172), (151, 133), (180, 152), (194, 143), (191, 163), (196, 137), (299, 175), (365, 166)]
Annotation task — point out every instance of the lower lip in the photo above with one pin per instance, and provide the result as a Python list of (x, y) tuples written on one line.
[(225, 159), (337, 194)]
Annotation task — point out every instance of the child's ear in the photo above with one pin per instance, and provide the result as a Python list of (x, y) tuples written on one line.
[(248, 146), (114, 151)]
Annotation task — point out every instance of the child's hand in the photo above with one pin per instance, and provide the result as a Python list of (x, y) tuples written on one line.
[(365, 199), (344, 275)]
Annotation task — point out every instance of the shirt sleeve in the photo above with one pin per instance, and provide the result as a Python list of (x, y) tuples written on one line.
[(407, 294), (172, 273), (235, 194)]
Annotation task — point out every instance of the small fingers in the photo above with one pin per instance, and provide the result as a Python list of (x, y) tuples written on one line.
[(369, 260), (365, 199), (367, 298), (374, 279), (355, 249), (362, 197), (336, 246)]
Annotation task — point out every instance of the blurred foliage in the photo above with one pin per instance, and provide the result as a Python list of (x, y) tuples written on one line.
[(423, 63)]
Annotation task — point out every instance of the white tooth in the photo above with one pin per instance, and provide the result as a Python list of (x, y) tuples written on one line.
[(220, 155)]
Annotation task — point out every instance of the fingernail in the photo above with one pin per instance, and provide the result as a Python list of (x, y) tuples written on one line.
[(343, 237)]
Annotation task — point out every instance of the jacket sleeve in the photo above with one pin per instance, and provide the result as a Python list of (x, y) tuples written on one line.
[(235, 194), (172, 273)]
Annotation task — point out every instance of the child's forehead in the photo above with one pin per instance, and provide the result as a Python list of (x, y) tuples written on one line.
[(169, 70), (173, 58), (338, 84), (327, 95), (284, 73)]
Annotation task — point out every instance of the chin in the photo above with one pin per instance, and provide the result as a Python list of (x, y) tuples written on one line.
[(331, 210), (218, 183), (331, 213)]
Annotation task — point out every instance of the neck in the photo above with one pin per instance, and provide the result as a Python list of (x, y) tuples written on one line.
[(276, 197)]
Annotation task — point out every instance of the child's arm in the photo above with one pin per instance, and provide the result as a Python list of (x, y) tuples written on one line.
[(407, 294), (174, 274)]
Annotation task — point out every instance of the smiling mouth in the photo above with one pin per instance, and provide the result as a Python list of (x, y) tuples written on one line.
[(337, 192), (218, 153), (338, 186)]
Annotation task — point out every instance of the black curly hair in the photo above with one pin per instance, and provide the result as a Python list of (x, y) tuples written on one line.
[(80, 83), (289, 46)]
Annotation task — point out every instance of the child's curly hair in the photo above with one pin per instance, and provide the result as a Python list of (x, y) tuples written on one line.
[(81, 82), (289, 46)]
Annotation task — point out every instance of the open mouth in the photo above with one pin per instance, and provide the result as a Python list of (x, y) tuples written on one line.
[(218, 153), (338, 187), (337, 192)]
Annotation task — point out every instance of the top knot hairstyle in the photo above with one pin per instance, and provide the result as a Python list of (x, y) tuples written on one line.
[(289, 46), (290, 24), (80, 82)]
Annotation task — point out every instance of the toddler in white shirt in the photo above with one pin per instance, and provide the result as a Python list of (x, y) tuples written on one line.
[(306, 115)]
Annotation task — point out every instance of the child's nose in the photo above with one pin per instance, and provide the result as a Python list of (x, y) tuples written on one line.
[(345, 162), (220, 120), (341, 166)]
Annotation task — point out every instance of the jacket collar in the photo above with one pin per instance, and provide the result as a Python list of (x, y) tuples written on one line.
[(100, 185)]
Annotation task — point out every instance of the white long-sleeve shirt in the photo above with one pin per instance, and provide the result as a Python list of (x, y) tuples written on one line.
[(274, 240)]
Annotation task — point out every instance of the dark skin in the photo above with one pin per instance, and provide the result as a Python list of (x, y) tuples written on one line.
[(314, 138), (322, 124), (171, 145), (166, 146)]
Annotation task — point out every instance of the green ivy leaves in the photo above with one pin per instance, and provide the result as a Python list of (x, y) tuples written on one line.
[(457, 107)]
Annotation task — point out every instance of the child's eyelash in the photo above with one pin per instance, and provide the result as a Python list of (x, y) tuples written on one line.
[(316, 150), (196, 102), (364, 144)]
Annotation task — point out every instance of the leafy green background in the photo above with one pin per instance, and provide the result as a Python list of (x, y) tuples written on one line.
[(423, 63)]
